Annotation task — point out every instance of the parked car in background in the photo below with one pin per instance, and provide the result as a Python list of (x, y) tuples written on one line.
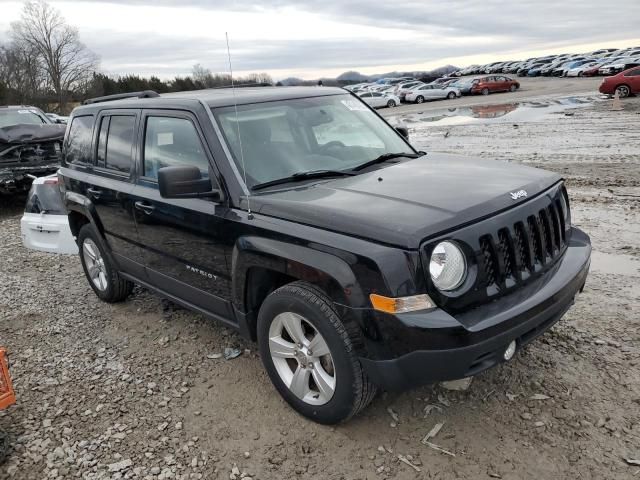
[(463, 85), (578, 71), (432, 92), (493, 84), (619, 66), (30, 146), (379, 99), (625, 83), (55, 118), (45, 225), (402, 89)]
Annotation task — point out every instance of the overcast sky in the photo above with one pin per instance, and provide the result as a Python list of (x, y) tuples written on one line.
[(324, 38)]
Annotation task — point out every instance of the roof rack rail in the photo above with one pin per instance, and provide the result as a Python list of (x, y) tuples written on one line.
[(120, 96)]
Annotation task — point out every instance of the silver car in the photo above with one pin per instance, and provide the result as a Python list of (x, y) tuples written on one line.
[(379, 99), (432, 92)]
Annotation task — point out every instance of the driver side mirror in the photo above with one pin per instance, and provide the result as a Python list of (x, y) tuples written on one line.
[(404, 131), (185, 182)]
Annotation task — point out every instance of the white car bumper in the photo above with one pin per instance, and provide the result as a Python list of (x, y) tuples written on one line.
[(47, 233)]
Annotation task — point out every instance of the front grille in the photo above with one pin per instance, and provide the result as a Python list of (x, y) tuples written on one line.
[(506, 250), (27, 154), (514, 252)]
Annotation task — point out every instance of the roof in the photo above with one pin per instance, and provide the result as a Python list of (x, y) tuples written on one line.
[(219, 97)]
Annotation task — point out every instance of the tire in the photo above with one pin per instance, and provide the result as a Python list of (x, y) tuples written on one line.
[(102, 274), (419, 99), (623, 91), (513, 88), (451, 95), (485, 91), (391, 103), (580, 74), (347, 388)]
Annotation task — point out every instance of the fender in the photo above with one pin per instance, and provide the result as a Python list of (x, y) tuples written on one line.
[(74, 202), (298, 261)]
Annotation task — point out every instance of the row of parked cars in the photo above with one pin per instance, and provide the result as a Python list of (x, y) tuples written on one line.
[(390, 92), (607, 61)]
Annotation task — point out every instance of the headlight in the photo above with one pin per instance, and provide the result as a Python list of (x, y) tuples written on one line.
[(448, 267)]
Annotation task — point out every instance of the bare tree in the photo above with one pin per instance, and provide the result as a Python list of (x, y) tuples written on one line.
[(67, 63)]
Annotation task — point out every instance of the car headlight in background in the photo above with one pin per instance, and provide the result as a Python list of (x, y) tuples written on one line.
[(448, 266)]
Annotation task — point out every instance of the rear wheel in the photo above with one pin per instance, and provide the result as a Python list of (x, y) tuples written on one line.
[(623, 91), (102, 274), (451, 95), (310, 356), (419, 99), (485, 91), (391, 103)]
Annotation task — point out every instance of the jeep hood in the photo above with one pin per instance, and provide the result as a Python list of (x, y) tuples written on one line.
[(405, 203)]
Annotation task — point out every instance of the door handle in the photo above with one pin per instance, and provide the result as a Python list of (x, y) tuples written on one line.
[(94, 193), (146, 208)]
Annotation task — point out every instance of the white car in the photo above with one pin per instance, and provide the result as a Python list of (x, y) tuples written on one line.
[(379, 99), (431, 92), (577, 71), (45, 225)]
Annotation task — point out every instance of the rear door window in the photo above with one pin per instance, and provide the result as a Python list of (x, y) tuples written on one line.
[(78, 143)]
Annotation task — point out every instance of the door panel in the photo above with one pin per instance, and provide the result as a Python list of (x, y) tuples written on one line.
[(183, 239), (111, 185)]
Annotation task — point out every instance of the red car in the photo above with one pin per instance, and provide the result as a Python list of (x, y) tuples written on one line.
[(494, 83), (625, 83)]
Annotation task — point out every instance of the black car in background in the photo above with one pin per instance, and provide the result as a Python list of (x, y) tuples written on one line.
[(298, 216), (30, 146)]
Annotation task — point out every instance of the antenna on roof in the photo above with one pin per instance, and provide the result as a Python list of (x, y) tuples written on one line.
[(235, 105)]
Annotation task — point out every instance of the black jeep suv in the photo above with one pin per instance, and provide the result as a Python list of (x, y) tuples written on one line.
[(301, 218)]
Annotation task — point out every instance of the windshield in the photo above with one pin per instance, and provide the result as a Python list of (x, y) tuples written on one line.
[(20, 117), (289, 137)]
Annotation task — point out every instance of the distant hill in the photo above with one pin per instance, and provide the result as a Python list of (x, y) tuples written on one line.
[(351, 77)]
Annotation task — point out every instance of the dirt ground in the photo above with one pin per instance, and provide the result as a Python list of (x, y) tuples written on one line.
[(130, 390)]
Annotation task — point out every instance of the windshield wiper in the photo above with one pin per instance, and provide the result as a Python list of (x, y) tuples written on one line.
[(304, 176), (384, 157)]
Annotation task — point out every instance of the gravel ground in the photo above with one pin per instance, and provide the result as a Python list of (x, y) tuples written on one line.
[(136, 390)]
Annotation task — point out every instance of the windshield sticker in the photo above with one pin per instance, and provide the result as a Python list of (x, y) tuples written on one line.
[(355, 106)]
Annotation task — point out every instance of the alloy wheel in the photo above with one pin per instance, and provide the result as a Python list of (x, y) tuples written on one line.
[(94, 262), (302, 358)]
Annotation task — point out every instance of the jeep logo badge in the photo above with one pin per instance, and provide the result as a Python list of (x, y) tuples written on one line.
[(518, 194)]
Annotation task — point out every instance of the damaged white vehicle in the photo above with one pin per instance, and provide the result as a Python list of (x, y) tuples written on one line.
[(45, 224)]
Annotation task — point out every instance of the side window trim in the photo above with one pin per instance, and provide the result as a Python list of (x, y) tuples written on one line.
[(134, 146), (182, 114)]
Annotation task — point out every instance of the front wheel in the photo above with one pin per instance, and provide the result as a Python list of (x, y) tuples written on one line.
[(391, 103), (309, 354), (102, 274), (623, 91), (513, 88), (451, 95), (419, 99), (485, 91)]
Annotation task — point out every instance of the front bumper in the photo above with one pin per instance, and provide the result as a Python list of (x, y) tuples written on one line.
[(462, 347)]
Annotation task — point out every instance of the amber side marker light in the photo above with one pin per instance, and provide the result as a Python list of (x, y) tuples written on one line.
[(401, 304)]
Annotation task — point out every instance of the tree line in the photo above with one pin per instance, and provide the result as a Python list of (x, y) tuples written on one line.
[(45, 64)]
